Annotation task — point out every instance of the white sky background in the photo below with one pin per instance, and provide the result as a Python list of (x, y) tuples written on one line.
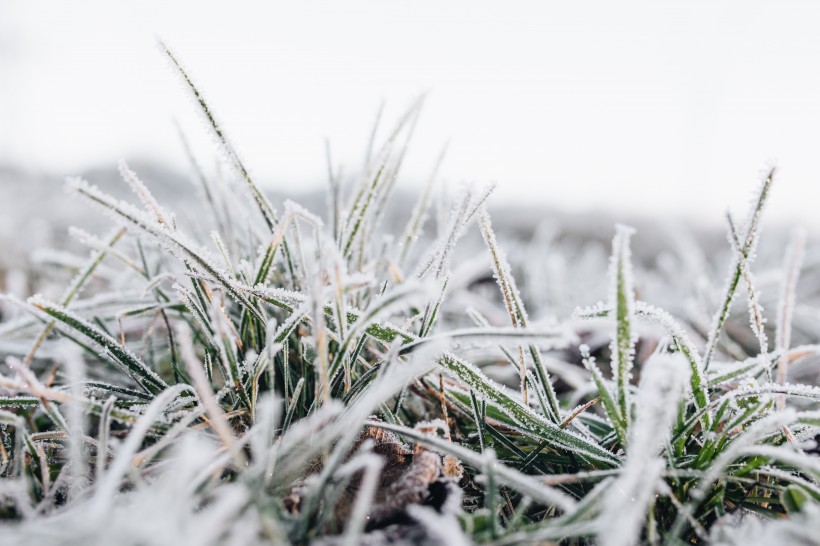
[(626, 106)]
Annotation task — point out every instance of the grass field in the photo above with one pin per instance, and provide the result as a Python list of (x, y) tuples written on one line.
[(251, 374)]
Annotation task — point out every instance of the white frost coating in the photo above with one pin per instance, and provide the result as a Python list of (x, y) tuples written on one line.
[(756, 319), (154, 282), (483, 386), (290, 296), (295, 210), (122, 461), (698, 382), (76, 418), (658, 316), (785, 306), (226, 256), (443, 527), (785, 454), (749, 387), (219, 136), (748, 245), (502, 271), (127, 214), (791, 270), (144, 194), (625, 503), (599, 309), (42, 304), (801, 528), (621, 284), (620, 266), (175, 242), (470, 199), (94, 242)]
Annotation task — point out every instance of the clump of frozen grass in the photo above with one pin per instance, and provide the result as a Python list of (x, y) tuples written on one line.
[(272, 378)]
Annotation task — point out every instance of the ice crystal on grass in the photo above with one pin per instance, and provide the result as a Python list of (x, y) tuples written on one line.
[(622, 300), (746, 250), (786, 303)]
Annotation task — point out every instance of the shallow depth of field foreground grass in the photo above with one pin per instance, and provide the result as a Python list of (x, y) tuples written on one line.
[(273, 375)]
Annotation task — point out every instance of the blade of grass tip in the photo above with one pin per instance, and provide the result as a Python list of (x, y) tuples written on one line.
[(95, 243), (74, 288), (226, 147), (220, 214), (297, 243), (374, 183), (610, 404), (785, 307), (698, 380), (756, 319), (223, 251), (297, 392), (735, 272), (439, 259), (413, 230), (518, 314), (428, 319), (622, 299), (356, 218), (141, 190), (230, 153), (334, 196), (504, 278), (387, 188), (371, 143)]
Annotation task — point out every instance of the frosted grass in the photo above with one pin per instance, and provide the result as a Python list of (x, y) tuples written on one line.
[(293, 378)]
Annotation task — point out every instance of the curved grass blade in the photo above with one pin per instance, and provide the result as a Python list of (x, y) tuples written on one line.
[(127, 361), (562, 439)]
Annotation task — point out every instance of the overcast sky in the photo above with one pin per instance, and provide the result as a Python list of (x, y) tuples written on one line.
[(623, 105)]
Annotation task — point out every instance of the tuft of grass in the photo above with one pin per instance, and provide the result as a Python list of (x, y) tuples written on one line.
[(271, 378)]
